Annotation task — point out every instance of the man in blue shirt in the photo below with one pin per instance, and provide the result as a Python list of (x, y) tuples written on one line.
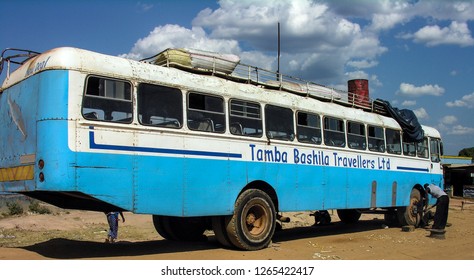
[(442, 207)]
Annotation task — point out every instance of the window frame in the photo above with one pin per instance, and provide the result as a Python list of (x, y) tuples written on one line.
[(206, 123), (314, 139), (286, 134), (94, 114), (329, 131), (236, 121), (169, 91)]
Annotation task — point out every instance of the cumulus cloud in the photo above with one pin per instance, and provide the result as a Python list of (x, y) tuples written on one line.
[(175, 36), (465, 101), (449, 120), (421, 113), (409, 103), (457, 33), (412, 90), (461, 130)]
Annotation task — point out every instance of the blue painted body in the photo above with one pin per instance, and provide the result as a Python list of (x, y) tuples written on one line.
[(168, 181)]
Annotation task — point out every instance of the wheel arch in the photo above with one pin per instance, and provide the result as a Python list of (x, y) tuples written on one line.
[(263, 186)]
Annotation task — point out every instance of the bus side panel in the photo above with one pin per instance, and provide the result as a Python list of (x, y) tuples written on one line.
[(108, 177), (311, 187), (52, 129), (159, 185)]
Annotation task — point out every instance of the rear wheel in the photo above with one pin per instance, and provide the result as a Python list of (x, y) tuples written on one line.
[(253, 224), (411, 215), (219, 225), (348, 216), (158, 222), (180, 228)]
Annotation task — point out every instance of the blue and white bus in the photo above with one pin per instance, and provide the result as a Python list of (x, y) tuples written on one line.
[(200, 141)]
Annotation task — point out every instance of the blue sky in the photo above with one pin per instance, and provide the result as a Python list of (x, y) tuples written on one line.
[(418, 55)]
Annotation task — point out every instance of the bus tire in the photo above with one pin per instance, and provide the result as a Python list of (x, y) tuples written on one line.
[(254, 221), (158, 222), (184, 228), (219, 224), (410, 215), (349, 216)]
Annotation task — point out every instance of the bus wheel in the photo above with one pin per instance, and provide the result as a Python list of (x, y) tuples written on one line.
[(410, 215), (158, 222), (254, 221), (181, 228), (348, 216), (219, 225)]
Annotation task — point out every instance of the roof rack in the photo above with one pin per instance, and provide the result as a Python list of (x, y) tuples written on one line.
[(19, 57), (228, 66)]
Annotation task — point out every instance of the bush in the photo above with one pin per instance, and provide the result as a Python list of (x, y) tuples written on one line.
[(35, 207), (14, 208)]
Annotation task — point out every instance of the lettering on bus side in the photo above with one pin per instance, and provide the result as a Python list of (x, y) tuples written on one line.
[(317, 157), (37, 67)]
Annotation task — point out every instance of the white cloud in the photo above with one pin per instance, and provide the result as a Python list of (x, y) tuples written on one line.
[(457, 33), (465, 101), (409, 103), (449, 120), (412, 90), (461, 130), (362, 64), (421, 113), (175, 36)]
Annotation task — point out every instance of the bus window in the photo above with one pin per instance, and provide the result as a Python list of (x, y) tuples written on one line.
[(245, 118), (409, 148), (376, 139), (434, 150), (107, 100), (308, 128), (334, 133), (160, 106), (206, 112), (422, 148), (356, 136), (279, 123), (393, 141)]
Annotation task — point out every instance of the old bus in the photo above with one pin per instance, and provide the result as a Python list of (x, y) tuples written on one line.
[(201, 141)]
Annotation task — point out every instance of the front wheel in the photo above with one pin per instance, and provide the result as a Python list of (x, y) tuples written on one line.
[(253, 224), (411, 215)]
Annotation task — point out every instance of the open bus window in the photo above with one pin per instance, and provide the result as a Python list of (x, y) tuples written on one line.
[(393, 141), (206, 113), (279, 123), (356, 136), (435, 150), (308, 128), (245, 118), (409, 148), (334, 132), (376, 138), (107, 100), (422, 148), (160, 106)]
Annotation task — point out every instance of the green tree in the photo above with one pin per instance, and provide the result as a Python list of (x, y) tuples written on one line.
[(467, 152)]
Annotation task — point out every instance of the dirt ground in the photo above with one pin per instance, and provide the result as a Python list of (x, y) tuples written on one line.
[(72, 234)]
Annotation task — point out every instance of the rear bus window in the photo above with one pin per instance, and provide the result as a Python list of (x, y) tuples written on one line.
[(206, 113), (107, 100), (160, 106)]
